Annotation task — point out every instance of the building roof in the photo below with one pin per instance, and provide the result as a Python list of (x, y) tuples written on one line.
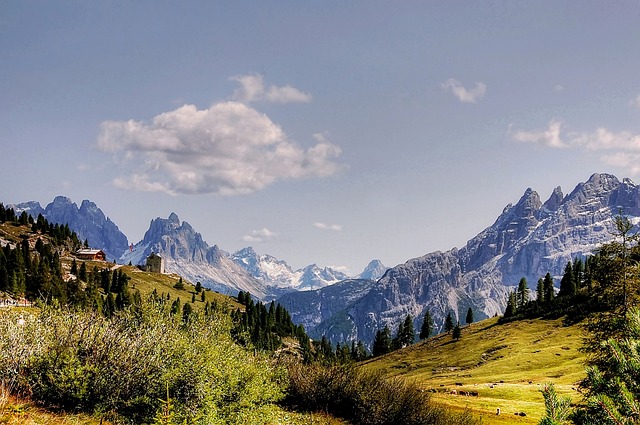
[(86, 251)]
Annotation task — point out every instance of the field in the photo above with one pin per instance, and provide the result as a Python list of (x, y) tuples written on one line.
[(506, 365)]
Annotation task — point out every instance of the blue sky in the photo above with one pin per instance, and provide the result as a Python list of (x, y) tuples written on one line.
[(330, 132)]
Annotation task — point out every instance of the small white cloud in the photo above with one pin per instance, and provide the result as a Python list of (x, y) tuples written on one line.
[(341, 269), (549, 137), (635, 102), (324, 226), (252, 89), (558, 88), (228, 149), (464, 95), (259, 236)]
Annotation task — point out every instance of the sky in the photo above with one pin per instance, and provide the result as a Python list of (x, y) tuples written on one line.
[(324, 132)]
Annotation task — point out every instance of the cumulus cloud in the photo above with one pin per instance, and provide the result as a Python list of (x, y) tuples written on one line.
[(558, 88), (229, 149), (465, 95), (620, 149), (252, 89), (259, 236), (635, 102), (325, 226)]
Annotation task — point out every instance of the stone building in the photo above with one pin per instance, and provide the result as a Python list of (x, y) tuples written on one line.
[(155, 263)]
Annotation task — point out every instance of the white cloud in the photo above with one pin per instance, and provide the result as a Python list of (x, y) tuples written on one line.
[(635, 102), (341, 269), (622, 148), (324, 226), (558, 88), (259, 236), (252, 89), (549, 137), (229, 149), (464, 95)]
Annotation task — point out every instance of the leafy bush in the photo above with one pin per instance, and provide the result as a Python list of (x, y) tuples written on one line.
[(364, 397)]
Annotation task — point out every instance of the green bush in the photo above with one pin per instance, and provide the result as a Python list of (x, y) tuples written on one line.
[(80, 361), (364, 397)]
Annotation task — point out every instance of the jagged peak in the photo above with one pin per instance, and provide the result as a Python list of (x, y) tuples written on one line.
[(246, 251), (62, 199), (555, 200), (173, 218)]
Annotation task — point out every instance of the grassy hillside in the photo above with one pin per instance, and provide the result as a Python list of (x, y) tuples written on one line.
[(147, 282), (506, 365)]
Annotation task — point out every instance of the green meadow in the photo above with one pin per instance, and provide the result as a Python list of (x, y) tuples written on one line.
[(505, 364)]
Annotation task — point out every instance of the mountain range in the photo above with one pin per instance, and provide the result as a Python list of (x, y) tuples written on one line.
[(529, 239), (187, 254)]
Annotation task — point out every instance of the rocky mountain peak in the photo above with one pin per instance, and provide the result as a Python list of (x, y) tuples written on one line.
[(554, 200), (374, 270)]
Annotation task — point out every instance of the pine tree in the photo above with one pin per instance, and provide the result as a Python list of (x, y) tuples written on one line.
[(179, 285), (549, 292), (557, 409), (457, 332), (567, 283), (187, 310), (382, 342), (448, 323), (578, 273), (397, 342), (427, 326), (469, 319), (612, 391), (522, 296), (540, 292), (82, 273), (408, 335), (512, 305)]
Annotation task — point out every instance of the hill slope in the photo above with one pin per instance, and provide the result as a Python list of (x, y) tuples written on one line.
[(506, 365)]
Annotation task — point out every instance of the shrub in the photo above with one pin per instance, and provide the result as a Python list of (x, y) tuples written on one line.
[(123, 365), (364, 397)]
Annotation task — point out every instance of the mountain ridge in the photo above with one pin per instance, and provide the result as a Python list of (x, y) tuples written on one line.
[(528, 239)]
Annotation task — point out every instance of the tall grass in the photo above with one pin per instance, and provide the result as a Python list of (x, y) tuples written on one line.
[(365, 398)]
